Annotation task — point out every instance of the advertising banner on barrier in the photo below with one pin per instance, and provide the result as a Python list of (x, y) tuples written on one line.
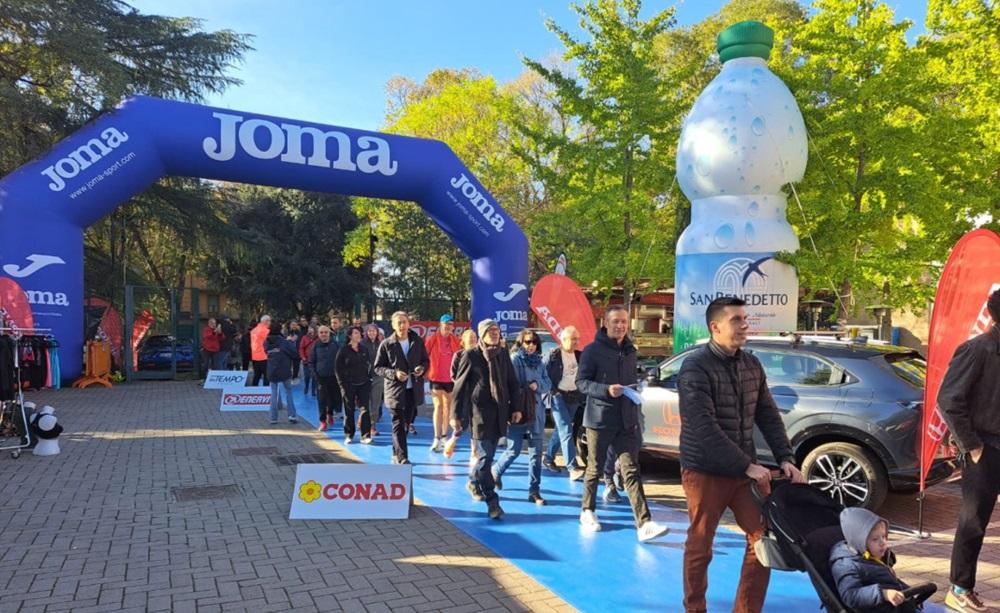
[(246, 399), (969, 277), (352, 491), (222, 379)]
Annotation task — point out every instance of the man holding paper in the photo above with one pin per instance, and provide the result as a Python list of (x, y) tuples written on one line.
[(607, 368)]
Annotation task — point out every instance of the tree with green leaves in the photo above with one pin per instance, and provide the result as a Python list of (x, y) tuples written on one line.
[(287, 253), (874, 199), (608, 167), (63, 63)]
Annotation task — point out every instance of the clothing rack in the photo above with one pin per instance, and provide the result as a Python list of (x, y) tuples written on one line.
[(18, 405)]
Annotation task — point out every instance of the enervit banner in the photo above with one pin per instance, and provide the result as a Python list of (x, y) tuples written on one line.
[(352, 491), (558, 302), (223, 379), (970, 275), (246, 399), (46, 205)]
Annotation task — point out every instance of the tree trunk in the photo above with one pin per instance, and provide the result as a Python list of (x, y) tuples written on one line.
[(144, 250)]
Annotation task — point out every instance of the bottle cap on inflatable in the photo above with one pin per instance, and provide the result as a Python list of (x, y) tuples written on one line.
[(745, 39)]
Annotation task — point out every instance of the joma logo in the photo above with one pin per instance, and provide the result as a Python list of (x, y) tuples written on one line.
[(46, 298), (83, 158), (285, 143), (478, 200)]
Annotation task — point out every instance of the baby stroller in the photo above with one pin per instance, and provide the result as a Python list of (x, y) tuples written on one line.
[(803, 526)]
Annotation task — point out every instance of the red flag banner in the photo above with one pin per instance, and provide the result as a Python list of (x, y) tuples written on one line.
[(14, 304), (558, 302), (970, 275)]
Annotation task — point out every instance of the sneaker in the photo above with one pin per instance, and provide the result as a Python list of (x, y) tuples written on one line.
[(366, 440), (969, 601), (348, 440), (536, 498), (495, 512), (412, 430), (576, 474), (588, 521), (404, 461), (322, 425), (473, 491), (611, 495), (549, 464), (651, 530), (293, 420), (436, 445), (449, 447)]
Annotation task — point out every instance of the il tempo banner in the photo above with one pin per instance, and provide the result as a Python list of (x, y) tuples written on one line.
[(222, 379), (352, 491), (246, 399)]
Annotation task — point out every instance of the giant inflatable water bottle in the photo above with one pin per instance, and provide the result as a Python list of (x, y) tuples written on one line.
[(743, 140)]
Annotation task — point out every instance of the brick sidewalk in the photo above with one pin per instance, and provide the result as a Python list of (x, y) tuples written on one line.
[(918, 560), (100, 527)]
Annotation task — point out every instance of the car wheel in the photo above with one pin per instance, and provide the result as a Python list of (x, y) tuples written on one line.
[(850, 474)]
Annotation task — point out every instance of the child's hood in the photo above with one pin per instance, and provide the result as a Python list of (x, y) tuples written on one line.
[(856, 524)]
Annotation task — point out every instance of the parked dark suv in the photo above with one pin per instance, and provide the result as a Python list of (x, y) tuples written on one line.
[(852, 412)]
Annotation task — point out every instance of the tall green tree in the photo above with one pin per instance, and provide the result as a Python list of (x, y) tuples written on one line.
[(287, 258), (608, 167), (64, 62), (875, 199)]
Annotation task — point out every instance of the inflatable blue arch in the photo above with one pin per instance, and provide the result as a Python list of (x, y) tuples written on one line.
[(46, 205)]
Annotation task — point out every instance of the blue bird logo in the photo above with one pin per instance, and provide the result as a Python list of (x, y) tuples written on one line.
[(754, 267)]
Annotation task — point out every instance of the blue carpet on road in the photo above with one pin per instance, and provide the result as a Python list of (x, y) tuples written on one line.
[(609, 570)]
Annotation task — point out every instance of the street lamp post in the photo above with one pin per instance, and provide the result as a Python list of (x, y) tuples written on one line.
[(880, 312)]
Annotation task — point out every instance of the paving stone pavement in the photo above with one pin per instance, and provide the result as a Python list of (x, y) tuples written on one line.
[(918, 560), (99, 527)]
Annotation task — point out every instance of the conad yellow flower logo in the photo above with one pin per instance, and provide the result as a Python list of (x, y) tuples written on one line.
[(310, 491)]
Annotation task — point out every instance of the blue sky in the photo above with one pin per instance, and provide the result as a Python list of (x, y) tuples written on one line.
[(328, 61)]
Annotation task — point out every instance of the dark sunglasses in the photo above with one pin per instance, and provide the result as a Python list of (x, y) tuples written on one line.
[(530, 341)]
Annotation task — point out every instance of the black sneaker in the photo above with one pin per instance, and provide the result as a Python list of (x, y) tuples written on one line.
[(473, 491), (494, 510), (536, 498), (549, 464)]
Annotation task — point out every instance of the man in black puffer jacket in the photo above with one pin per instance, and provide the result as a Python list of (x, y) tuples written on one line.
[(607, 368), (723, 394)]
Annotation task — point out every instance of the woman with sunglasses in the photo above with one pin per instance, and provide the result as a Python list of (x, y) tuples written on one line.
[(532, 376)]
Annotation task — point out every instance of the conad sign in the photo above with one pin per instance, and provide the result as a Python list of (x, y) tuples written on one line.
[(352, 491)]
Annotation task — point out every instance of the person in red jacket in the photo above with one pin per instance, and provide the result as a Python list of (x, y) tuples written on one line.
[(257, 353), (211, 343), (308, 375), (441, 347)]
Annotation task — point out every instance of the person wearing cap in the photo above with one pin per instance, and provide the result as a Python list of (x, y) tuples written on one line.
[(401, 361), (487, 397), (441, 348)]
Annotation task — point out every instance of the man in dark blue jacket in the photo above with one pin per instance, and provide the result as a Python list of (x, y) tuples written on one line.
[(607, 368), (323, 359)]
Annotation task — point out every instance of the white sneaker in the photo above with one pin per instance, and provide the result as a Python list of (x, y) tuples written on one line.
[(588, 521), (348, 440), (436, 445), (651, 530)]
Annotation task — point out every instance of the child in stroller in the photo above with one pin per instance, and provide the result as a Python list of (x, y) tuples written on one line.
[(804, 526)]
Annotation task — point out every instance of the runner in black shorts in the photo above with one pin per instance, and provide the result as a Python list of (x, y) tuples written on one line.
[(441, 346)]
